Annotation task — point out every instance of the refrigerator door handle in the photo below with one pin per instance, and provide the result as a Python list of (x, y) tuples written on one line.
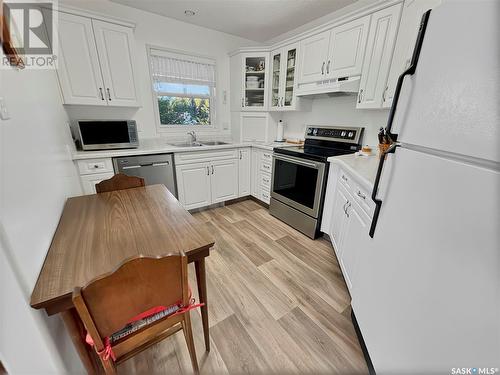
[(378, 202), (409, 71), (388, 130)]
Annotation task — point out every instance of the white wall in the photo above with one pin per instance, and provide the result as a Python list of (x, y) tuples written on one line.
[(36, 177), (169, 33), (340, 111)]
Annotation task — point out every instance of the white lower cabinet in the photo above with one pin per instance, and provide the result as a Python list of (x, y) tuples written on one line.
[(93, 171), (89, 181), (346, 219), (194, 185), (355, 239), (338, 219), (224, 180), (261, 175), (208, 177), (244, 172)]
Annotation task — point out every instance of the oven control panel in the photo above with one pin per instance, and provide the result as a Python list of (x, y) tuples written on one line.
[(334, 133)]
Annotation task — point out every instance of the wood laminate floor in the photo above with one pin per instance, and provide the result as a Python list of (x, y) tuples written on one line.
[(277, 304)]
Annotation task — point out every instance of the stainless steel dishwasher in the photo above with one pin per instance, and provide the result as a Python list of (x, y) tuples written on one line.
[(155, 169)]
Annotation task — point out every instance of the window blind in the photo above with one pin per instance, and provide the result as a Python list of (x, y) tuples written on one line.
[(170, 67)]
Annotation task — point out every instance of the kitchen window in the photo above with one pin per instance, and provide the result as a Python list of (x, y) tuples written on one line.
[(183, 89)]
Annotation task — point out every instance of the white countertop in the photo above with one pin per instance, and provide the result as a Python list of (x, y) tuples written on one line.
[(363, 167), (162, 146)]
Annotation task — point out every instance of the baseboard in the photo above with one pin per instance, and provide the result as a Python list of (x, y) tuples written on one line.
[(368, 360)]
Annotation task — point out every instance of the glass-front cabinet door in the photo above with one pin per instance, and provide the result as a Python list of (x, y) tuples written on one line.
[(276, 79), (254, 82), (283, 78), (291, 60)]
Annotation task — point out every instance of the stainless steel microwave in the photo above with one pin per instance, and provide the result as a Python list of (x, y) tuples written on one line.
[(104, 134)]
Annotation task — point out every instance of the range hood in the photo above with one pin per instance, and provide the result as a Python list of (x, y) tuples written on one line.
[(333, 87)]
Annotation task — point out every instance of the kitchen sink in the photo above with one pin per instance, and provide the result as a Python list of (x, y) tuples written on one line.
[(214, 143), (186, 144)]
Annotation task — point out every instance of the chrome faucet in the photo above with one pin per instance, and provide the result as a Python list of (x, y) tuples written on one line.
[(193, 136)]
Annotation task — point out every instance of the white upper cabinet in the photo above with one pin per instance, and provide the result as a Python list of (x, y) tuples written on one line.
[(381, 40), (313, 57), (347, 48), (96, 65), (116, 51), (79, 72), (405, 42), (334, 53), (249, 72), (284, 63)]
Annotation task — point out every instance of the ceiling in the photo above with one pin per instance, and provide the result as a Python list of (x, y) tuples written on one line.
[(258, 20)]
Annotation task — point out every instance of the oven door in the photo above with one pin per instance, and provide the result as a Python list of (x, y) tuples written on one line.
[(298, 183)]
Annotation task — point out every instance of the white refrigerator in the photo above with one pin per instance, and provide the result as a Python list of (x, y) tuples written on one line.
[(427, 296)]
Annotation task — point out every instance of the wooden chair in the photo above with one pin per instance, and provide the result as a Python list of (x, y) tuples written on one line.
[(107, 304), (119, 181)]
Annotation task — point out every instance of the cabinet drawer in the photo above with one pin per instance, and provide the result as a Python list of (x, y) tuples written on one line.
[(265, 180), (265, 166), (346, 180), (267, 156), (265, 196), (363, 198), (92, 166), (204, 156)]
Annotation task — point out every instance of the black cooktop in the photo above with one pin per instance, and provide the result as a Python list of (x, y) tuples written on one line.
[(323, 142), (314, 152)]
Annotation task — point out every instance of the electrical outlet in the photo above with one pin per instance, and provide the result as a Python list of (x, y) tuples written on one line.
[(4, 113)]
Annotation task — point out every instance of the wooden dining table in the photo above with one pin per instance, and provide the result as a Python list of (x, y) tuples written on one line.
[(96, 233)]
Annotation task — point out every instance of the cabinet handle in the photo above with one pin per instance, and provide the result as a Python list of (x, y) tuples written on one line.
[(109, 94), (361, 195), (347, 208), (360, 95), (385, 93), (242, 102), (344, 178), (208, 170), (328, 67), (282, 100), (212, 169), (240, 156), (323, 68), (102, 95)]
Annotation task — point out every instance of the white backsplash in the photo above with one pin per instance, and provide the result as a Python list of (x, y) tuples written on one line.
[(339, 111)]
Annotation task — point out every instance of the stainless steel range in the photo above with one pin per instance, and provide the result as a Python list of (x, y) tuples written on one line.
[(300, 174)]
